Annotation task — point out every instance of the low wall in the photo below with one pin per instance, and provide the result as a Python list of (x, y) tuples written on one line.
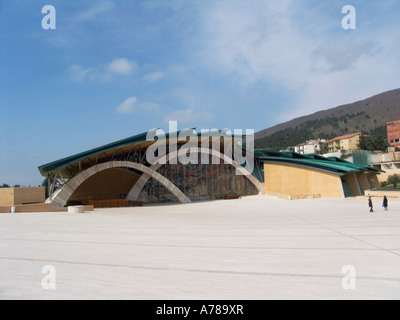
[(29, 195), (376, 193), (294, 196), (41, 207), (378, 200), (6, 196), (19, 196)]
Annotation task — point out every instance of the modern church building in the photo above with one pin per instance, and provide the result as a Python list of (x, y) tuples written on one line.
[(186, 167)]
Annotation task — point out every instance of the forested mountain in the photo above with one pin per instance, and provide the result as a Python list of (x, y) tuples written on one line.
[(368, 116)]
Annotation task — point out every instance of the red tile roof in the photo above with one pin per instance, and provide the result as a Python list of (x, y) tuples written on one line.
[(348, 136)]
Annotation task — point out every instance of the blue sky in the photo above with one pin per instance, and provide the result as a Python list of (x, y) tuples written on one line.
[(113, 69)]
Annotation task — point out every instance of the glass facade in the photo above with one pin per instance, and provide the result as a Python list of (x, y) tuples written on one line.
[(200, 182)]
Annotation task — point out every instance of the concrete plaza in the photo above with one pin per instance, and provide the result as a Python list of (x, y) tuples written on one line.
[(254, 248)]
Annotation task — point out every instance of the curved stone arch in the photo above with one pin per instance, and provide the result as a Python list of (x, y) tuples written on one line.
[(61, 197), (139, 185)]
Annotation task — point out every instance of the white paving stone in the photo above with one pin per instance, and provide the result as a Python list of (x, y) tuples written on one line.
[(255, 248)]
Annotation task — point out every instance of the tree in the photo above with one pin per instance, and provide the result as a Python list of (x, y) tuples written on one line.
[(324, 148), (366, 143), (394, 180), (380, 143), (5, 186)]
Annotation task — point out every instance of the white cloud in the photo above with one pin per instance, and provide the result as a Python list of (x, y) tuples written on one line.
[(78, 73), (155, 76), (255, 40), (177, 70), (266, 42), (151, 107), (122, 66), (128, 106), (332, 57), (98, 9), (133, 105)]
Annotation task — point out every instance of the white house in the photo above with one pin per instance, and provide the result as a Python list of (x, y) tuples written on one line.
[(311, 146)]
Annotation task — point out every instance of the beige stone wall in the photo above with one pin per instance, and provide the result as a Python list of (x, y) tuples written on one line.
[(374, 179), (19, 196), (297, 181), (29, 195), (6, 197), (353, 183), (363, 180)]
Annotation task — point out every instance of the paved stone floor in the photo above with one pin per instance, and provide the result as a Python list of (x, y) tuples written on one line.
[(253, 248)]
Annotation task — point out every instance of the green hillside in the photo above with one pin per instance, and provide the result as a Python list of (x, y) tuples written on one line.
[(368, 116)]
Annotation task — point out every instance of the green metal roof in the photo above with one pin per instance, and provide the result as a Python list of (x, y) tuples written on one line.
[(140, 138), (313, 161), (354, 165), (56, 165), (332, 165), (342, 162)]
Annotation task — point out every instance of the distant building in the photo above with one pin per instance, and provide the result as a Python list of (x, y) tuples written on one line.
[(393, 130), (348, 142), (309, 147)]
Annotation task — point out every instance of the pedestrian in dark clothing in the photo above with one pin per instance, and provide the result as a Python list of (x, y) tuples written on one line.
[(385, 203), (370, 204)]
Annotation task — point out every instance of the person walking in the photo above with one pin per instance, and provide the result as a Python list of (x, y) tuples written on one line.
[(385, 203), (370, 204)]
